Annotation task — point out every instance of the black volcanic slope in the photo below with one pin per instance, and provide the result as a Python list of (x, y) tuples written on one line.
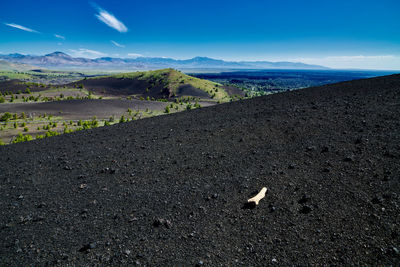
[(170, 190)]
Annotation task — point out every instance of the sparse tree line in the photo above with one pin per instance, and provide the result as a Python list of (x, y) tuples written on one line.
[(68, 126), (11, 97)]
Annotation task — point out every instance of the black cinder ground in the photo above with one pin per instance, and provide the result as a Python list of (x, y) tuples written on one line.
[(171, 190)]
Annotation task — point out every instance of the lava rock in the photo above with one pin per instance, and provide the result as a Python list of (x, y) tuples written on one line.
[(305, 209)]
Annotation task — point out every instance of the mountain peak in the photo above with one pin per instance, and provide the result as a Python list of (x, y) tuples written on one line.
[(203, 59), (58, 54)]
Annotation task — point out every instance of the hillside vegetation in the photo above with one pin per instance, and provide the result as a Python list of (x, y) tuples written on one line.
[(166, 82)]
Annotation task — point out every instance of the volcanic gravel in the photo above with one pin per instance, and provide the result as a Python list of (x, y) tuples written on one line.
[(83, 109), (171, 190)]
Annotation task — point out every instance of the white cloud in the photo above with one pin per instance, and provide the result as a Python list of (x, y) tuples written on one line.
[(59, 36), (20, 27), (110, 20), (377, 62), (134, 55), (86, 53), (117, 44)]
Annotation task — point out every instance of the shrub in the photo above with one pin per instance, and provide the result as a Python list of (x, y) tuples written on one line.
[(51, 133), (27, 91), (2, 143), (66, 130), (166, 109), (2, 100), (94, 123), (22, 138), (122, 119), (26, 129), (6, 117)]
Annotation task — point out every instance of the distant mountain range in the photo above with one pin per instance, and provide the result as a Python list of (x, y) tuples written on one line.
[(60, 60), (9, 66)]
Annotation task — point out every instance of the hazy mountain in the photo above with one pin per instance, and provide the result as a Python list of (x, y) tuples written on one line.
[(60, 60), (9, 66)]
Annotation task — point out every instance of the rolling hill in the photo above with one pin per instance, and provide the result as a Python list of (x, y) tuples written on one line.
[(165, 83), (171, 190)]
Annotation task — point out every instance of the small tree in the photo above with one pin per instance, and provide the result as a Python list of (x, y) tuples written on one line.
[(6, 117)]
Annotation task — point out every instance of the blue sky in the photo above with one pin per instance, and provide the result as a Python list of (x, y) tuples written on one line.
[(338, 34)]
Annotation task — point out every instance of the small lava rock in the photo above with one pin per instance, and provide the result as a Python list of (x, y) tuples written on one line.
[(305, 209)]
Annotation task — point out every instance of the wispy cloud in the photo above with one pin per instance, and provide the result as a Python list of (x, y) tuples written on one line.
[(86, 53), (134, 55), (59, 36), (20, 27), (109, 19), (117, 44)]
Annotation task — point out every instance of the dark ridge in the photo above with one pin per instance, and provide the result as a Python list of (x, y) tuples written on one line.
[(171, 190), (189, 90), (124, 86), (16, 85)]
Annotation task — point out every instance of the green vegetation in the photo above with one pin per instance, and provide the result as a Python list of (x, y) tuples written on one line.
[(173, 79), (22, 138), (6, 117), (15, 126)]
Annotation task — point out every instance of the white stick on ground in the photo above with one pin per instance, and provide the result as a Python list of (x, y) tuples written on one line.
[(259, 196)]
